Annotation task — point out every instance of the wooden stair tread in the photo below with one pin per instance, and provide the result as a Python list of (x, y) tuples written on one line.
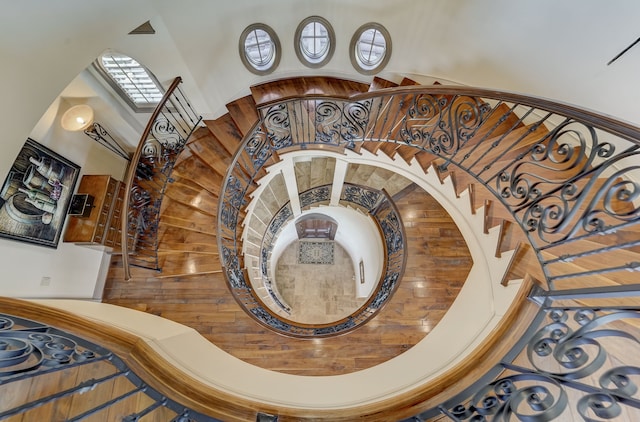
[(177, 214), (311, 85), (525, 262), (379, 83), (173, 238), (188, 263), (244, 114), (226, 132), (211, 153), (408, 82), (189, 193), (500, 120), (425, 159), (611, 259), (501, 151), (196, 171)]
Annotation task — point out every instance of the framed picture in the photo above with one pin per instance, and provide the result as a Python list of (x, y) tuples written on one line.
[(36, 194)]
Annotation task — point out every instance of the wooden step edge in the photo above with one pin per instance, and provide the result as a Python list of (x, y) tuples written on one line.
[(226, 132), (504, 226), (194, 186), (166, 223), (162, 275), (206, 213), (202, 159), (486, 216), (244, 113), (281, 89), (180, 176), (167, 252), (220, 169), (379, 83), (506, 277), (408, 82), (436, 165)]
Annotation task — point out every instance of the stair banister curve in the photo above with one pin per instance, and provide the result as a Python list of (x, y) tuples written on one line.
[(565, 174), (169, 127), (471, 148)]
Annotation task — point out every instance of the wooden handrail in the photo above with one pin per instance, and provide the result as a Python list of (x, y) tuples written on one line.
[(179, 121), (174, 379)]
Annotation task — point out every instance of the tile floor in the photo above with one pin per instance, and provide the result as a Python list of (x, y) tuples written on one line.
[(317, 293)]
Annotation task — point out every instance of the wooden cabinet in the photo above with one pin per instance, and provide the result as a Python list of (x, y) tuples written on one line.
[(103, 224)]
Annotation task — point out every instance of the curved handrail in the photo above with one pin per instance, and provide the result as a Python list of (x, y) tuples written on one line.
[(564, 178), (170, 126)]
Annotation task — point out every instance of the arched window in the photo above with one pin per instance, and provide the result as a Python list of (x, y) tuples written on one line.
[(370, 48), (314, 41), (133, 82), (259, 49)]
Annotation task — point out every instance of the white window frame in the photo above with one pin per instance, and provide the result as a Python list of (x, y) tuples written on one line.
[(363, 64), (139, 88), (312, 60), (261, 67)]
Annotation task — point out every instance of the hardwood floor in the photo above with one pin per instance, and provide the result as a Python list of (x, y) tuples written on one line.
[(436, 269)]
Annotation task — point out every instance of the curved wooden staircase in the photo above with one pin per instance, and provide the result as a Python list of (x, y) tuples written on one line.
[(191, 288)]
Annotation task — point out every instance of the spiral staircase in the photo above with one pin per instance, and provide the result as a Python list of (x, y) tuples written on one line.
[(557, 224), (188, 250)]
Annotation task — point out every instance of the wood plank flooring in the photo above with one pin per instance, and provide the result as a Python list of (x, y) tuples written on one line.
[(437, 267)]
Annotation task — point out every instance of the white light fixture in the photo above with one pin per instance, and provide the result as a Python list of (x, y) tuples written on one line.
[(80, 117)]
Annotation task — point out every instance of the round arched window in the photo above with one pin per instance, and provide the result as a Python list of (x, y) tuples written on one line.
[(370, 48), (259, 49), (314, 41)]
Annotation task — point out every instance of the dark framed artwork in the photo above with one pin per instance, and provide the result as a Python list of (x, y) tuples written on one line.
[(36, 194)]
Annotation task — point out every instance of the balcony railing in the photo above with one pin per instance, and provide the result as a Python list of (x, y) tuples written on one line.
[(50, 374), (166, 134), (568, 177)]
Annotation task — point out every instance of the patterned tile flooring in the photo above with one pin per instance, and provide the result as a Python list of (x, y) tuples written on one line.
[(315, 252), (317, 293)]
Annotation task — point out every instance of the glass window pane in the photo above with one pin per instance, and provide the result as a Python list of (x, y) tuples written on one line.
[(259, 48), (132, 78)]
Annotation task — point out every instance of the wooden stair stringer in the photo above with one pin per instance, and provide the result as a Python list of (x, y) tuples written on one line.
[(281, 89), (458, 208)]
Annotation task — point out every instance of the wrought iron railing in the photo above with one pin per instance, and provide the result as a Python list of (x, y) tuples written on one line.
[(567, 176), (377, 204), (574, 363), (166, 134), (41, 366)]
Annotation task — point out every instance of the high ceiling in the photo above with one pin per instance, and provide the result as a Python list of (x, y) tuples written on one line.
[(553, 49)]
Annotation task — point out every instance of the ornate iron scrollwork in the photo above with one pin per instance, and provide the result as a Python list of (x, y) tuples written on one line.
[(31, 349), (341, 123), (276, 123), (441, 125), (566, 369), (315, 195)]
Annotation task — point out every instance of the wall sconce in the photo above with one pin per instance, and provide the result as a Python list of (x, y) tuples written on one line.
[(80, 117)]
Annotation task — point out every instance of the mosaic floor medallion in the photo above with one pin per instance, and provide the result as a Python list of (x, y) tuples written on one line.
[(315, 253)]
